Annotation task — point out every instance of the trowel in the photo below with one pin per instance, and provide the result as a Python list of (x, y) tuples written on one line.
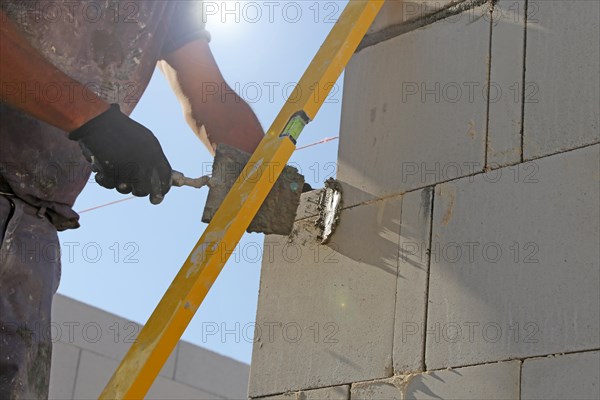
[(277, 213)]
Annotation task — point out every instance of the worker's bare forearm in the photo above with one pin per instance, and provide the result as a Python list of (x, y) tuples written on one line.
[(227, 119), (23, 71), (208, 101)]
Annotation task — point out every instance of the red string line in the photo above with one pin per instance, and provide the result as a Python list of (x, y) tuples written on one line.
[(329, 139), (106, 205)]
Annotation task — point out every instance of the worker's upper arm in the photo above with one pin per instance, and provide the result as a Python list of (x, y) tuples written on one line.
[(191, 67), (185, 48)]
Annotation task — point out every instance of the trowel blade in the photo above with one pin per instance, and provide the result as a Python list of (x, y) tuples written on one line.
[(278, 212)]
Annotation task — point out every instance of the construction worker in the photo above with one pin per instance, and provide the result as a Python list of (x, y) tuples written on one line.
[(70, 74)]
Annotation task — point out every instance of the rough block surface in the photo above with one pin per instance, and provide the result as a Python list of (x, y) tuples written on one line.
[(506, 78), (410, 119), (563, 60), (515, 262), (396, 12), (326, 312), (411, 286), (569, 376), (330, 393), (309, 202), (490, 381)]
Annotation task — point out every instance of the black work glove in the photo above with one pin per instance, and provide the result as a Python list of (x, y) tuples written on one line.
[(125, 155)]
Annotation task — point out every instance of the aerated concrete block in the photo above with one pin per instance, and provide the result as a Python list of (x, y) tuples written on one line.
[(562, 80), (90, 328), (570, 376), (506, 83), (411, 286), (330, 393), (515, 262), (208, 371), (395, 12), (168, 389), (63, 371), (490, 381), (93, 373), (414, 109), (326, 312), (309, 204), (98, 331), (385, 389), (285, 396)]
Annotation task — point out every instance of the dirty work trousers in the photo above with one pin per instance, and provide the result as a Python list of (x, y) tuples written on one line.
[(29, 276)]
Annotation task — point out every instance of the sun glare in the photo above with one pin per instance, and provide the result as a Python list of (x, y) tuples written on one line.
[(226, 17)]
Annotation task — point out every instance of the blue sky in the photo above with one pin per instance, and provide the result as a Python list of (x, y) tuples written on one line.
[(124, 257)]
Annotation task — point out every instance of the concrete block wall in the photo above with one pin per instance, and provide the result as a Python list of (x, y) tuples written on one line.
[(89, 343), (466, 262)]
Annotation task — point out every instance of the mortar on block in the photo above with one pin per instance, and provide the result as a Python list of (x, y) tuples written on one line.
[(277, 213)]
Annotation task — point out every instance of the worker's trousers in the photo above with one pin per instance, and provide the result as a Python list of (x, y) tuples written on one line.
[(29, 276)]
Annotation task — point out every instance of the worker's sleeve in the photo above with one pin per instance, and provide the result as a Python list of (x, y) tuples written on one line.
[(187, 23)]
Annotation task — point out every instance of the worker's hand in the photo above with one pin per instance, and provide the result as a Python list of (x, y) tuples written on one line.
[(125, 155)]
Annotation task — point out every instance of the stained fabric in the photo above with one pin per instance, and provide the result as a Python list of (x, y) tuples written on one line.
[(29, 277)]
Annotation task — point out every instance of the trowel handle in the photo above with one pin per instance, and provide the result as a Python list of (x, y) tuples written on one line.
[(178, 179)]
